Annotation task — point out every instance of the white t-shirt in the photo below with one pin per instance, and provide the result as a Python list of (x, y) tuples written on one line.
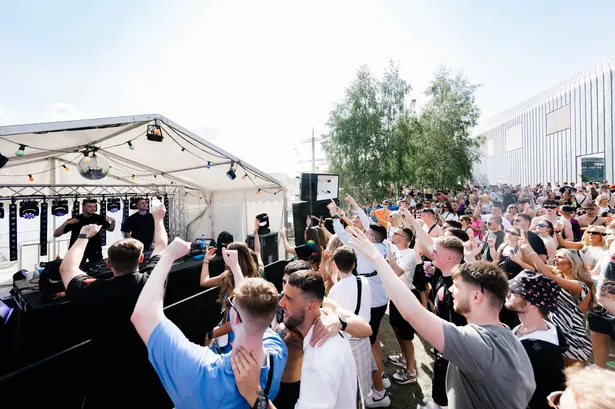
[(345, 292), (407, 261), (328, 375)]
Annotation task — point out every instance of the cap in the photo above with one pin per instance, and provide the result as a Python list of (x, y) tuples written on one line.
[(537, 289)]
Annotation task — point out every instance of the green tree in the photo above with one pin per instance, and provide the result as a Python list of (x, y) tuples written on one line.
[(367, 140), (445, 150)]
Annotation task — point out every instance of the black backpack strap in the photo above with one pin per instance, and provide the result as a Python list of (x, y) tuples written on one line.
[(594, 221), (269, 376), (359, 291)]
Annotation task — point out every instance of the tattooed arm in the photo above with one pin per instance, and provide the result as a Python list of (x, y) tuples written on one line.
[(606, 288)]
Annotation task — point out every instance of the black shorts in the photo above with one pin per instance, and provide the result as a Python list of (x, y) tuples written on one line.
[(376, 316), (403, 327), (601, 324)]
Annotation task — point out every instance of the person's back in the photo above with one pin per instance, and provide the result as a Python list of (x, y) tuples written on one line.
[(489, 368)]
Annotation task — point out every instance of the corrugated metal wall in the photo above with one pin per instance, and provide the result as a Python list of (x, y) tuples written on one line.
[(553, 158)]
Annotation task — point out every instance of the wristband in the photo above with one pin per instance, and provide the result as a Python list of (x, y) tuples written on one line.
[(532, 253), (335, 216), (205, 262), (210, 335)]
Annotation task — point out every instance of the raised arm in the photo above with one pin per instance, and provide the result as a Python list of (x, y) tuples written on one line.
[(568, 244), (206, 281), (365, 221), (231, 259), (422, 238), (69, 268), (287, 247), (161, 238), (572, 286), (148, 312), (428, 325)]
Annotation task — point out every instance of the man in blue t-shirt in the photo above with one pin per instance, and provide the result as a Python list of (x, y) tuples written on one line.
[(194, 376)]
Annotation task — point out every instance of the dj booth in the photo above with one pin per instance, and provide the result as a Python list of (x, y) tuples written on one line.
[(50, 345)]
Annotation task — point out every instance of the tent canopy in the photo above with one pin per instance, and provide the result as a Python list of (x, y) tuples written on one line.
[(181, 158)]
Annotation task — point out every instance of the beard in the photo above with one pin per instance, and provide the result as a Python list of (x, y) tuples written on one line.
[(294, 322), (462, 307)]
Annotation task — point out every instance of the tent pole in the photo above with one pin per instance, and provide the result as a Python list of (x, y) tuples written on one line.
[(53, 181)]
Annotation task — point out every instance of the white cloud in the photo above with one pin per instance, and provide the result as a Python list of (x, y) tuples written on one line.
[(61, 111)]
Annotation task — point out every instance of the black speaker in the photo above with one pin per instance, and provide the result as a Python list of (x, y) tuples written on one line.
[(319, 186), (269, 246), (300, 212)]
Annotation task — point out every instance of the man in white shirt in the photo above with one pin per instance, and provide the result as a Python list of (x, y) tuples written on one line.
[(328, 373), (352, 293), (551, 207), (402, 260), (496, 211)]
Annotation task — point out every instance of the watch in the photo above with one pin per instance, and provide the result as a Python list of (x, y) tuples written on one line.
[(343, 322), (262, 402), (83, 236), (335, 216)]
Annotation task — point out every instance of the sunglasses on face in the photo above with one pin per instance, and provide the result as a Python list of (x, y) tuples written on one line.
[(233, 307), (550, 207), (513, 233), (595, 233), (541, 225)]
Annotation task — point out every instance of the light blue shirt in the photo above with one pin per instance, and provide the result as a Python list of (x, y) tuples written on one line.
[(196, 377)]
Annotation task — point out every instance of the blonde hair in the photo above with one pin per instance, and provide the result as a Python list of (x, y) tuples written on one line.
[(333, 244), (599, 199), (397, 221), (585, 239), (579, 272), (257, 299), (592, 388)]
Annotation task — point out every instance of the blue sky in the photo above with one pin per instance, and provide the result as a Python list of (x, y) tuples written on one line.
[(255, 76)]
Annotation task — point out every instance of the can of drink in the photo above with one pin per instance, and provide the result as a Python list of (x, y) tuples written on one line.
[(427, 267)]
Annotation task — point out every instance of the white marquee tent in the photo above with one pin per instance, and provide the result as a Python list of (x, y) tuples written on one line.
[(212, 202)]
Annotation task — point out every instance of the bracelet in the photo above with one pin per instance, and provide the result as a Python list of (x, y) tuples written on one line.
[(532, 253), (205, 262), (210, 335)]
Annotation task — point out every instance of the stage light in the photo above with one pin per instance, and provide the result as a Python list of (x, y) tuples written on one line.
[(258, 192), (86, 156), (113, 205), (59, 207), (133, 177), (21, 150), (28, 209), (154, 132), (94, 169), (231, 172), (66, 168), (244, 176), (131, 146), (3, 160), (30, 178), (208, 165)]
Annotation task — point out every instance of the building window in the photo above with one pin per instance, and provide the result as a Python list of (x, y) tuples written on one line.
[(558, 120), (489, 147), (514, 137)]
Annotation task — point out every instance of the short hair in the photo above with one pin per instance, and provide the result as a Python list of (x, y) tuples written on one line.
[(451, 243), (345, 259), (297, 265), (459, 233), (453, 223), (523, 201), (488, 277), (525, 217), (124, 255), (258, 300), (592, 388), (430, 211), (138, 199), (86, 201), (550, 202), (496, 219), (409, 234), (309, 282), (378, 231), (498, 205), (566, 209)]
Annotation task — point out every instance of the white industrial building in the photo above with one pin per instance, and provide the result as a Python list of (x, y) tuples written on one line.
[(563, 134)]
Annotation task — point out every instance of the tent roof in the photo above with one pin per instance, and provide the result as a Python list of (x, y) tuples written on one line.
[(181, 157)]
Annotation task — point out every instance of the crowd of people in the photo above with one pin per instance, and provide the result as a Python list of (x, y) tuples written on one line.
[(500, 280)]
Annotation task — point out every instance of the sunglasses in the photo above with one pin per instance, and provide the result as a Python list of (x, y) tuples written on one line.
[(233, 307), (554, 398), (595, 233), (550, 207), (400, 235), (541, 225), (513, 233)]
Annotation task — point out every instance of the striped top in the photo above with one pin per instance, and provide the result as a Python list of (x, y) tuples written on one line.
[(570, 320)]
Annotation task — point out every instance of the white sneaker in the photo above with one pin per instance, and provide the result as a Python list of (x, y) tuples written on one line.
[(373, 402), (386, 382), (398, 361)]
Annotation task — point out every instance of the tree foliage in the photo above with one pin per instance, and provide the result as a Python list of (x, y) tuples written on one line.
[(375, 143)]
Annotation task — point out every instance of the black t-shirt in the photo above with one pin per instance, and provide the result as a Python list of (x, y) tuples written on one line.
[(95, 243), (140, 227), (444, 302), (117, 363), (499, 239)]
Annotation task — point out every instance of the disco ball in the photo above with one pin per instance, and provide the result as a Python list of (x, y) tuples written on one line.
[(94, 169)]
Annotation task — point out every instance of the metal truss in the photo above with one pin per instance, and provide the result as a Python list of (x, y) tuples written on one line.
[(175, 194)]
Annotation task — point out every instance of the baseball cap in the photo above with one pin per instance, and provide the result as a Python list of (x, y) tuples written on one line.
[(537, 289)]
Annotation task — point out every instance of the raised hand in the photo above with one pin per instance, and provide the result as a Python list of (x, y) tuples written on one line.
[(209, 255), (91, 230), (231, 257), (351, 201), (109, 219), (159, 212), (332, 208), (360, 242), (326, 326), (178, 248)]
